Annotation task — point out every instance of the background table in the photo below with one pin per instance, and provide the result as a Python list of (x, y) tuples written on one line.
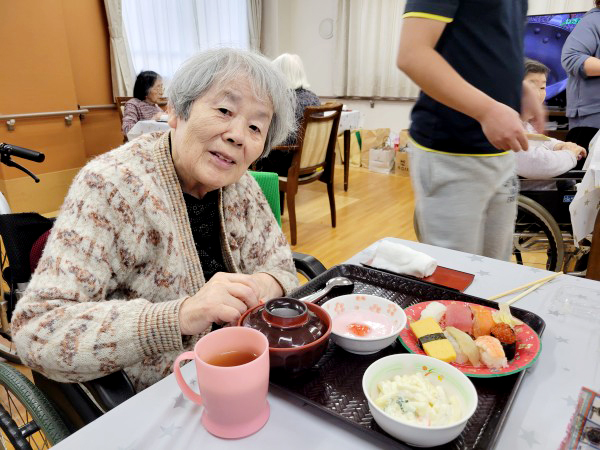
[(146, 126), (348, 121), (160, 417)]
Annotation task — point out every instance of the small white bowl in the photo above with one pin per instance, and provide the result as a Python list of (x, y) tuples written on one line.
[(449, 377), (384, 318)]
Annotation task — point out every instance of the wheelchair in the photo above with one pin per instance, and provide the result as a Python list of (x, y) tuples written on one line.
[(543, 235), (41, 413)]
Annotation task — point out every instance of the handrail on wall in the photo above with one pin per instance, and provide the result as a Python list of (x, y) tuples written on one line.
[(91, 107), (11, 118), (371, 99)]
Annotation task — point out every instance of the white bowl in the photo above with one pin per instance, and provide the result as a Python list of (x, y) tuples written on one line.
[(450, 378), (385, 319)]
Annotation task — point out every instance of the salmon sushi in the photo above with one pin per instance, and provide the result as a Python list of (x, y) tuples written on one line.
[(482, 321)]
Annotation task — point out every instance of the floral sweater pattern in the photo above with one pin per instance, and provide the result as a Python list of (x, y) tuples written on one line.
[(121, 259)]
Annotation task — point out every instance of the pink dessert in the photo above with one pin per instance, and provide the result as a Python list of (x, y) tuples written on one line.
[(458, 315), (362, 324)]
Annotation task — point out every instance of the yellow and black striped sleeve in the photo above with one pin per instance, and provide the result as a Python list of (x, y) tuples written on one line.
[(441, 10)]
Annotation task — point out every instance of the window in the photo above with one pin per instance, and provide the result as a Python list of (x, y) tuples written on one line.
[(164, 33)]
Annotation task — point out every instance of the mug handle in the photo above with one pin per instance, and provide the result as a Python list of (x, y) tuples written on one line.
[(181, 382)]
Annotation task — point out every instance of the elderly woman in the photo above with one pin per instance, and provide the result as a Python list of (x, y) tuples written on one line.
[(147, 92), (291, 66), (165, 236)]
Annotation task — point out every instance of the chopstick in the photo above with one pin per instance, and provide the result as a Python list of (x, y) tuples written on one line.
[(520, 296), (535, 284)]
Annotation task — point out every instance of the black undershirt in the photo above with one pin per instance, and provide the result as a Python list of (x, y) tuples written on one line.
[(206, 231)]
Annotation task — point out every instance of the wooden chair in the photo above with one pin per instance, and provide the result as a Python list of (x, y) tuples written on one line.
[(120, 101), (314, 157)]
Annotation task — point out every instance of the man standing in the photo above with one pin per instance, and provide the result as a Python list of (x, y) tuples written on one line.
[(467, 57)]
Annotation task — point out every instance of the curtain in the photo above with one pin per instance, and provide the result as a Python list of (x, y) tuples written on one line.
[(367, 34), (164, 33), (254, 23), (559, 6), (122, 72)]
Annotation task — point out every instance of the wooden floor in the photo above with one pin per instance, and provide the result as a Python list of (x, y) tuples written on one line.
[(375, 206)]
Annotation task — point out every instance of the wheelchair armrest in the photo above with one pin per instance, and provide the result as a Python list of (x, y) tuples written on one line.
[(308, 265), (110, 390), (572, 175)]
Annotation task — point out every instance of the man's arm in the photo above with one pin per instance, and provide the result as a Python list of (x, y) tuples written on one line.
[(418, 58)]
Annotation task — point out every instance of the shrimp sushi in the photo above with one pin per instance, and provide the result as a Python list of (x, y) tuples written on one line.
[(435, 310), (482, 321), (466, 344), (507, 337), (458, 315), (491, 352)]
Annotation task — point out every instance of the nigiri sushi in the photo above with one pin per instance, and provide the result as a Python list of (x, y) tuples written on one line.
[(461, 358), (491, 352), (466, 344), (458, 315), (435, 310), (482, 320), (507, 337)]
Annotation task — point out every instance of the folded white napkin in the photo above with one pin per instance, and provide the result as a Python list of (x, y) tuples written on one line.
[(402, 259)]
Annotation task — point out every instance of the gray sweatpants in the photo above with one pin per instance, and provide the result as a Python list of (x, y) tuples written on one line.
[(466, 203)]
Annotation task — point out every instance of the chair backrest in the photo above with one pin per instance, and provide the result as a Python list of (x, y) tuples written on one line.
[(318, 134), (269, 183), (120, 101)]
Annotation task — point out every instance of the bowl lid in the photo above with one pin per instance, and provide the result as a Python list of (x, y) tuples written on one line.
[(286, 322)]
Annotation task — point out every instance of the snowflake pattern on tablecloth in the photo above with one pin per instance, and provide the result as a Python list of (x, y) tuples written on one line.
[(528, 346)]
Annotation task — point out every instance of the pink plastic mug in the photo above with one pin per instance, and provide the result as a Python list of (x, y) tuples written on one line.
[(234, 397)]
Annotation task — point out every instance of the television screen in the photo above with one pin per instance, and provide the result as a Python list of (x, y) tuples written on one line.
[(544, 39)]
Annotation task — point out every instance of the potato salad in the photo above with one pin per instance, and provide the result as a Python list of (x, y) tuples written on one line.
[(414, 399)]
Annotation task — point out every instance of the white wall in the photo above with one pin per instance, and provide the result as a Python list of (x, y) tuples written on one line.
[(292, 26)]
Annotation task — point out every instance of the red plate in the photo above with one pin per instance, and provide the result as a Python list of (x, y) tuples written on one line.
[(529, 345)]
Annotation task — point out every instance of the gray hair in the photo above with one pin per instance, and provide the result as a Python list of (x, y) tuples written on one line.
[(220, 66), (293, 69)]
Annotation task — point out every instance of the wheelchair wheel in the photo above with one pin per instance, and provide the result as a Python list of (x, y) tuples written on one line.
[(27, 419), (538, 240)]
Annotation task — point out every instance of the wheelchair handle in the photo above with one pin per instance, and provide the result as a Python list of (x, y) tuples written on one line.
[(20, 152), (187, 391)]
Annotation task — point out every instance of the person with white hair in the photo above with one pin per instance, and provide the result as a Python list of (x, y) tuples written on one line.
[(164, 237), (292, 68)]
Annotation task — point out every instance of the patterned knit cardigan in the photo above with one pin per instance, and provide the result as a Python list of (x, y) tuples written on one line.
[(120, 261)]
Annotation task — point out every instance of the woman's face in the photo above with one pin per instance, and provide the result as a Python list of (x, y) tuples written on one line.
[(155, 93), (225, 133)]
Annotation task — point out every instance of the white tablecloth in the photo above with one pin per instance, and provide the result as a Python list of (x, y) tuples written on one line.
[(146, 126), (161, 418)]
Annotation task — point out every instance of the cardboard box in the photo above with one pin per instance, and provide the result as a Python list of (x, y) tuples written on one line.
[(402, 164)]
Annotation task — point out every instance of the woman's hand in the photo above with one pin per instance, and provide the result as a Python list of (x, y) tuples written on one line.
[(578, 152), (224, 299)]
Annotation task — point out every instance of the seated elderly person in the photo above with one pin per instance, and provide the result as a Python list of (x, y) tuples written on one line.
[(166, 235), (546, 157), (147, 92)]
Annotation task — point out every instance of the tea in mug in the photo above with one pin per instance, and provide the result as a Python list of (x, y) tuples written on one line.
[(232, 358)]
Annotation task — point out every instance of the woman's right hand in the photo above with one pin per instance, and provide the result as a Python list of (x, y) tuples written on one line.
[(223, 299)]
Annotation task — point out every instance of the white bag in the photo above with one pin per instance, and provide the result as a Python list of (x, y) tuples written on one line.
[(381, 160)]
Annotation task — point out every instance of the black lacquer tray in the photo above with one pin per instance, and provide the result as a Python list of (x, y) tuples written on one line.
[(334, 385)]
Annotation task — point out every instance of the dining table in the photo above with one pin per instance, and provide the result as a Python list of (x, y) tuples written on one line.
[(161, 417), (146, 126)]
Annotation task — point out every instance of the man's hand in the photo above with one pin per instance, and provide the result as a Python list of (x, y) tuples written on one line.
[(503, 127)]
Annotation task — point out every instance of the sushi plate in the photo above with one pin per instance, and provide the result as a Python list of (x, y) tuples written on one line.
[(529, 346)]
